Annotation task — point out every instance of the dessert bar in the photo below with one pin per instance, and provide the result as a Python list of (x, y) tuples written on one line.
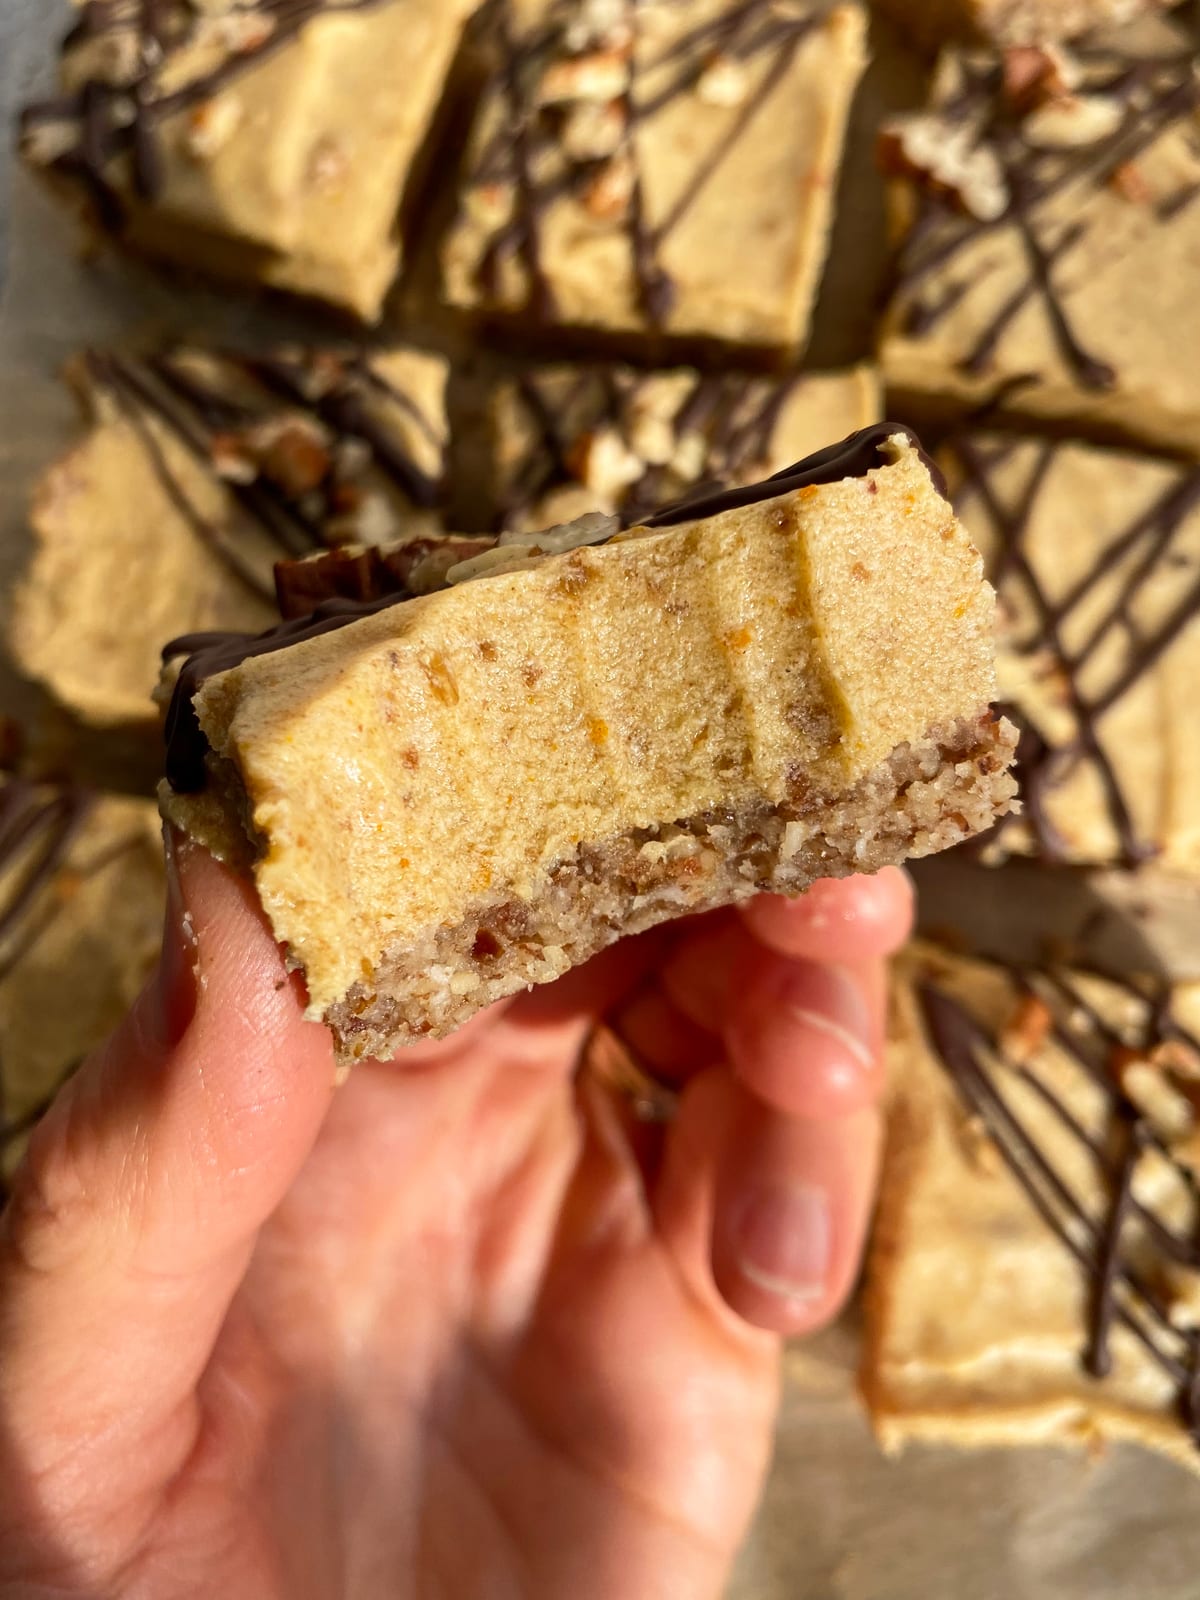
[(445, 799), (271, 141), (656, 170), (1035, 1274)]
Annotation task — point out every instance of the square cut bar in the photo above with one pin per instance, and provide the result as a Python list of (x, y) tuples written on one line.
[(268, 141), (567, 440), (1012, 22), (657, 171), (81, 906), (200, 470), (1034, 1274), (1050, 210), (447, 799), (1095, 555)]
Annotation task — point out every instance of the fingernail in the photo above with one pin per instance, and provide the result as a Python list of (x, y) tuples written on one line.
[(842, 1012), (783, 1240), (175, 989)]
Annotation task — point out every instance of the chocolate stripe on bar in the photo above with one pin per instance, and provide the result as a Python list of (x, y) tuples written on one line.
[(1151, 543), (1153, 95), (1120, 1295), (745, 33), (207, 654)]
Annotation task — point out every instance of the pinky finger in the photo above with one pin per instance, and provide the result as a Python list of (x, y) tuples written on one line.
[(792, 1204)]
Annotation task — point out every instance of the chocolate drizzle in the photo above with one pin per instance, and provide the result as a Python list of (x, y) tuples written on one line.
[(116, 113), (1148, 544), (1121, 1294), (37, 827), (301, 485), (1154, 95), (206, 654), (522, 151)]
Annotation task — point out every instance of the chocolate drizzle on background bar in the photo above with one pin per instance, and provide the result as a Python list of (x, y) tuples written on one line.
[(744, 33), (120, 118), (206, 654), (1155, 94), (37, 826), (1121, 1295), (208, 416), (1147, 544), (735, 416)]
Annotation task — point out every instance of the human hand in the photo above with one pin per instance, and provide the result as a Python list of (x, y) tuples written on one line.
[(458, 1328)]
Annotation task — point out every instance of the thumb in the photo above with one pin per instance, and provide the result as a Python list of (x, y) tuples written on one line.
[(135, 1211)]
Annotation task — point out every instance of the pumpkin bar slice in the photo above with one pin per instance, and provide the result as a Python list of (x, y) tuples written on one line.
[(445, 799), (199, 470), (1035, 1275), (275, 142), (657, 172), (1049, 207)]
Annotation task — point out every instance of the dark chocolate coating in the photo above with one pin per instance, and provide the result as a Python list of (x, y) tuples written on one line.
[(364, 574), (851, 458)]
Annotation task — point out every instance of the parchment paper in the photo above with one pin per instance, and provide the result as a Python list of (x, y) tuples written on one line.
[(839, 1522)]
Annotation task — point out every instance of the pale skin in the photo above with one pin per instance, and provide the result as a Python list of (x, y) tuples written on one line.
[(458, 1328)]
